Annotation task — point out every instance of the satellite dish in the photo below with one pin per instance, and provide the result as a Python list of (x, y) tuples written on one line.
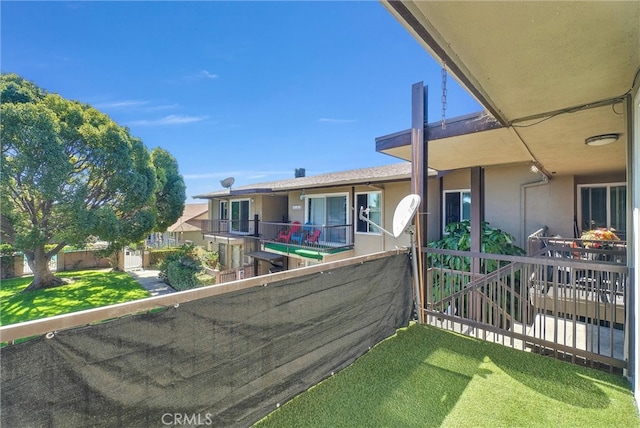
[(227, 182), (402, 217), (404, 213)]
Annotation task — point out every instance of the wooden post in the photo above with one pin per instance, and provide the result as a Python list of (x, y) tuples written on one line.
[(419, 175), (477, 218)]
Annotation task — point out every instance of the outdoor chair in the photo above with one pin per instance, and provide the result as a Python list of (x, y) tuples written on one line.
[(296, 233), (284, 235), (312, 238)]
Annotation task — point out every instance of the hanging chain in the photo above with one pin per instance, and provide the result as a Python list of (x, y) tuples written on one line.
[(444, 95)]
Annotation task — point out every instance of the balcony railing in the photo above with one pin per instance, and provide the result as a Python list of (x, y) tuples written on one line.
[(566, 300), (318, 238), (578, 249), (285, 237), (229, 227)]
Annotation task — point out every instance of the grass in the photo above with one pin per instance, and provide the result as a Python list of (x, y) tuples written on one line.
[(89, 289), (426, 377)]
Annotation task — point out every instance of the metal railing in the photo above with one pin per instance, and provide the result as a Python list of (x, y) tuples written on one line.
[(570, 307), (579, 249), (224, 227), (321, 238)]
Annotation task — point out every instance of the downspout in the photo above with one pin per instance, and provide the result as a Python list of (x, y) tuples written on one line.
[(523, 203), (535, 167)]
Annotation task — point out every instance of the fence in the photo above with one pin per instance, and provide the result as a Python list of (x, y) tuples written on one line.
[(230, 353), (234, 274), (67, 261), (572, 307)]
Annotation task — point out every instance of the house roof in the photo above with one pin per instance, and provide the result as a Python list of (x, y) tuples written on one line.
[(551, 74), (190, 212), (377, 174)]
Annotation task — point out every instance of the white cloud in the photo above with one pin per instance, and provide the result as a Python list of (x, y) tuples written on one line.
[(239, 175), (172, 119), (331, 120), (207, 75), (199, 76), (122, 104), (161, 107)]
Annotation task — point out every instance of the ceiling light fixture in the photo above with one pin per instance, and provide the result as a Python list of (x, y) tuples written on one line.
[(601, 140)]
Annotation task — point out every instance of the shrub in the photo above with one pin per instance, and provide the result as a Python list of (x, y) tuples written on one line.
[(157, 256), (209, 258), (181, 277), (6, 261), (179, 268)]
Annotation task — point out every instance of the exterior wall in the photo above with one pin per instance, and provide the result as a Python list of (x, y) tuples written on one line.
[(551, 205), (519, 202), (364, 243), (434, 210), (272, 208), (195, 237), (296, 202), (457, 180), (214, 209)]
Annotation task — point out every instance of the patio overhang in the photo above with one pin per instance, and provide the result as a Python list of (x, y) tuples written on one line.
[(549, 89), (266, 256)]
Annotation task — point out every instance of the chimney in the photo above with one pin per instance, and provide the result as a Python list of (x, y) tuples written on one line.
[(299, 172)]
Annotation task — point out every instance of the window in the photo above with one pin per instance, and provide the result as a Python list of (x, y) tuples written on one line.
[(331, 213), (603, 205), (240, 216), (373, 202), (224, 210), (457, 206)]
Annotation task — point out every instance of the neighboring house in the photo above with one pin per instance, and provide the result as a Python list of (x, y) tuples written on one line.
[(306, 220), (559, 143), (186, 230)]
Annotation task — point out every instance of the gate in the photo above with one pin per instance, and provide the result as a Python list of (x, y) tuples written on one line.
[(132, 259), (53, 265)]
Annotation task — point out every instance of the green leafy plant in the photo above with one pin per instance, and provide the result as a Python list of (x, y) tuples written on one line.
[(157, 256), (180, 268), (458, 238), (209, 258), (7, 260)]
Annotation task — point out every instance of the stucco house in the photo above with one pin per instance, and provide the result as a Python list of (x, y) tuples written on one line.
[(186, 230), (558, 142), (305, 220)]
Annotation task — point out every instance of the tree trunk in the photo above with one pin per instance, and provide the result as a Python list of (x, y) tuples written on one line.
[(38, 261)]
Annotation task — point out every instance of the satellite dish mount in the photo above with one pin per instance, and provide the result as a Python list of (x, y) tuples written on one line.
[(402, 217)]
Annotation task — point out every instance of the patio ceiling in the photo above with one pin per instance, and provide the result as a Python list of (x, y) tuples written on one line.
[(551, 73)]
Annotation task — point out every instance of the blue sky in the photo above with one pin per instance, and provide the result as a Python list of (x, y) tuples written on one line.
[(252, 90)]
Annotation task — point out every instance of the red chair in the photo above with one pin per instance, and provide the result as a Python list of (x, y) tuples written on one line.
[(312, 238), (284, 236)]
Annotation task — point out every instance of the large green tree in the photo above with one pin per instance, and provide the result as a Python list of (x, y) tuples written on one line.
[(171, 190), (69, 172)]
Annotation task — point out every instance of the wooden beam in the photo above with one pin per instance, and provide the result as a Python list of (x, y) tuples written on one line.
[(419, 175), (477, 213)]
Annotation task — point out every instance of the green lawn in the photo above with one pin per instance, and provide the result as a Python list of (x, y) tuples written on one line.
[(426, 377), (89, 289)]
